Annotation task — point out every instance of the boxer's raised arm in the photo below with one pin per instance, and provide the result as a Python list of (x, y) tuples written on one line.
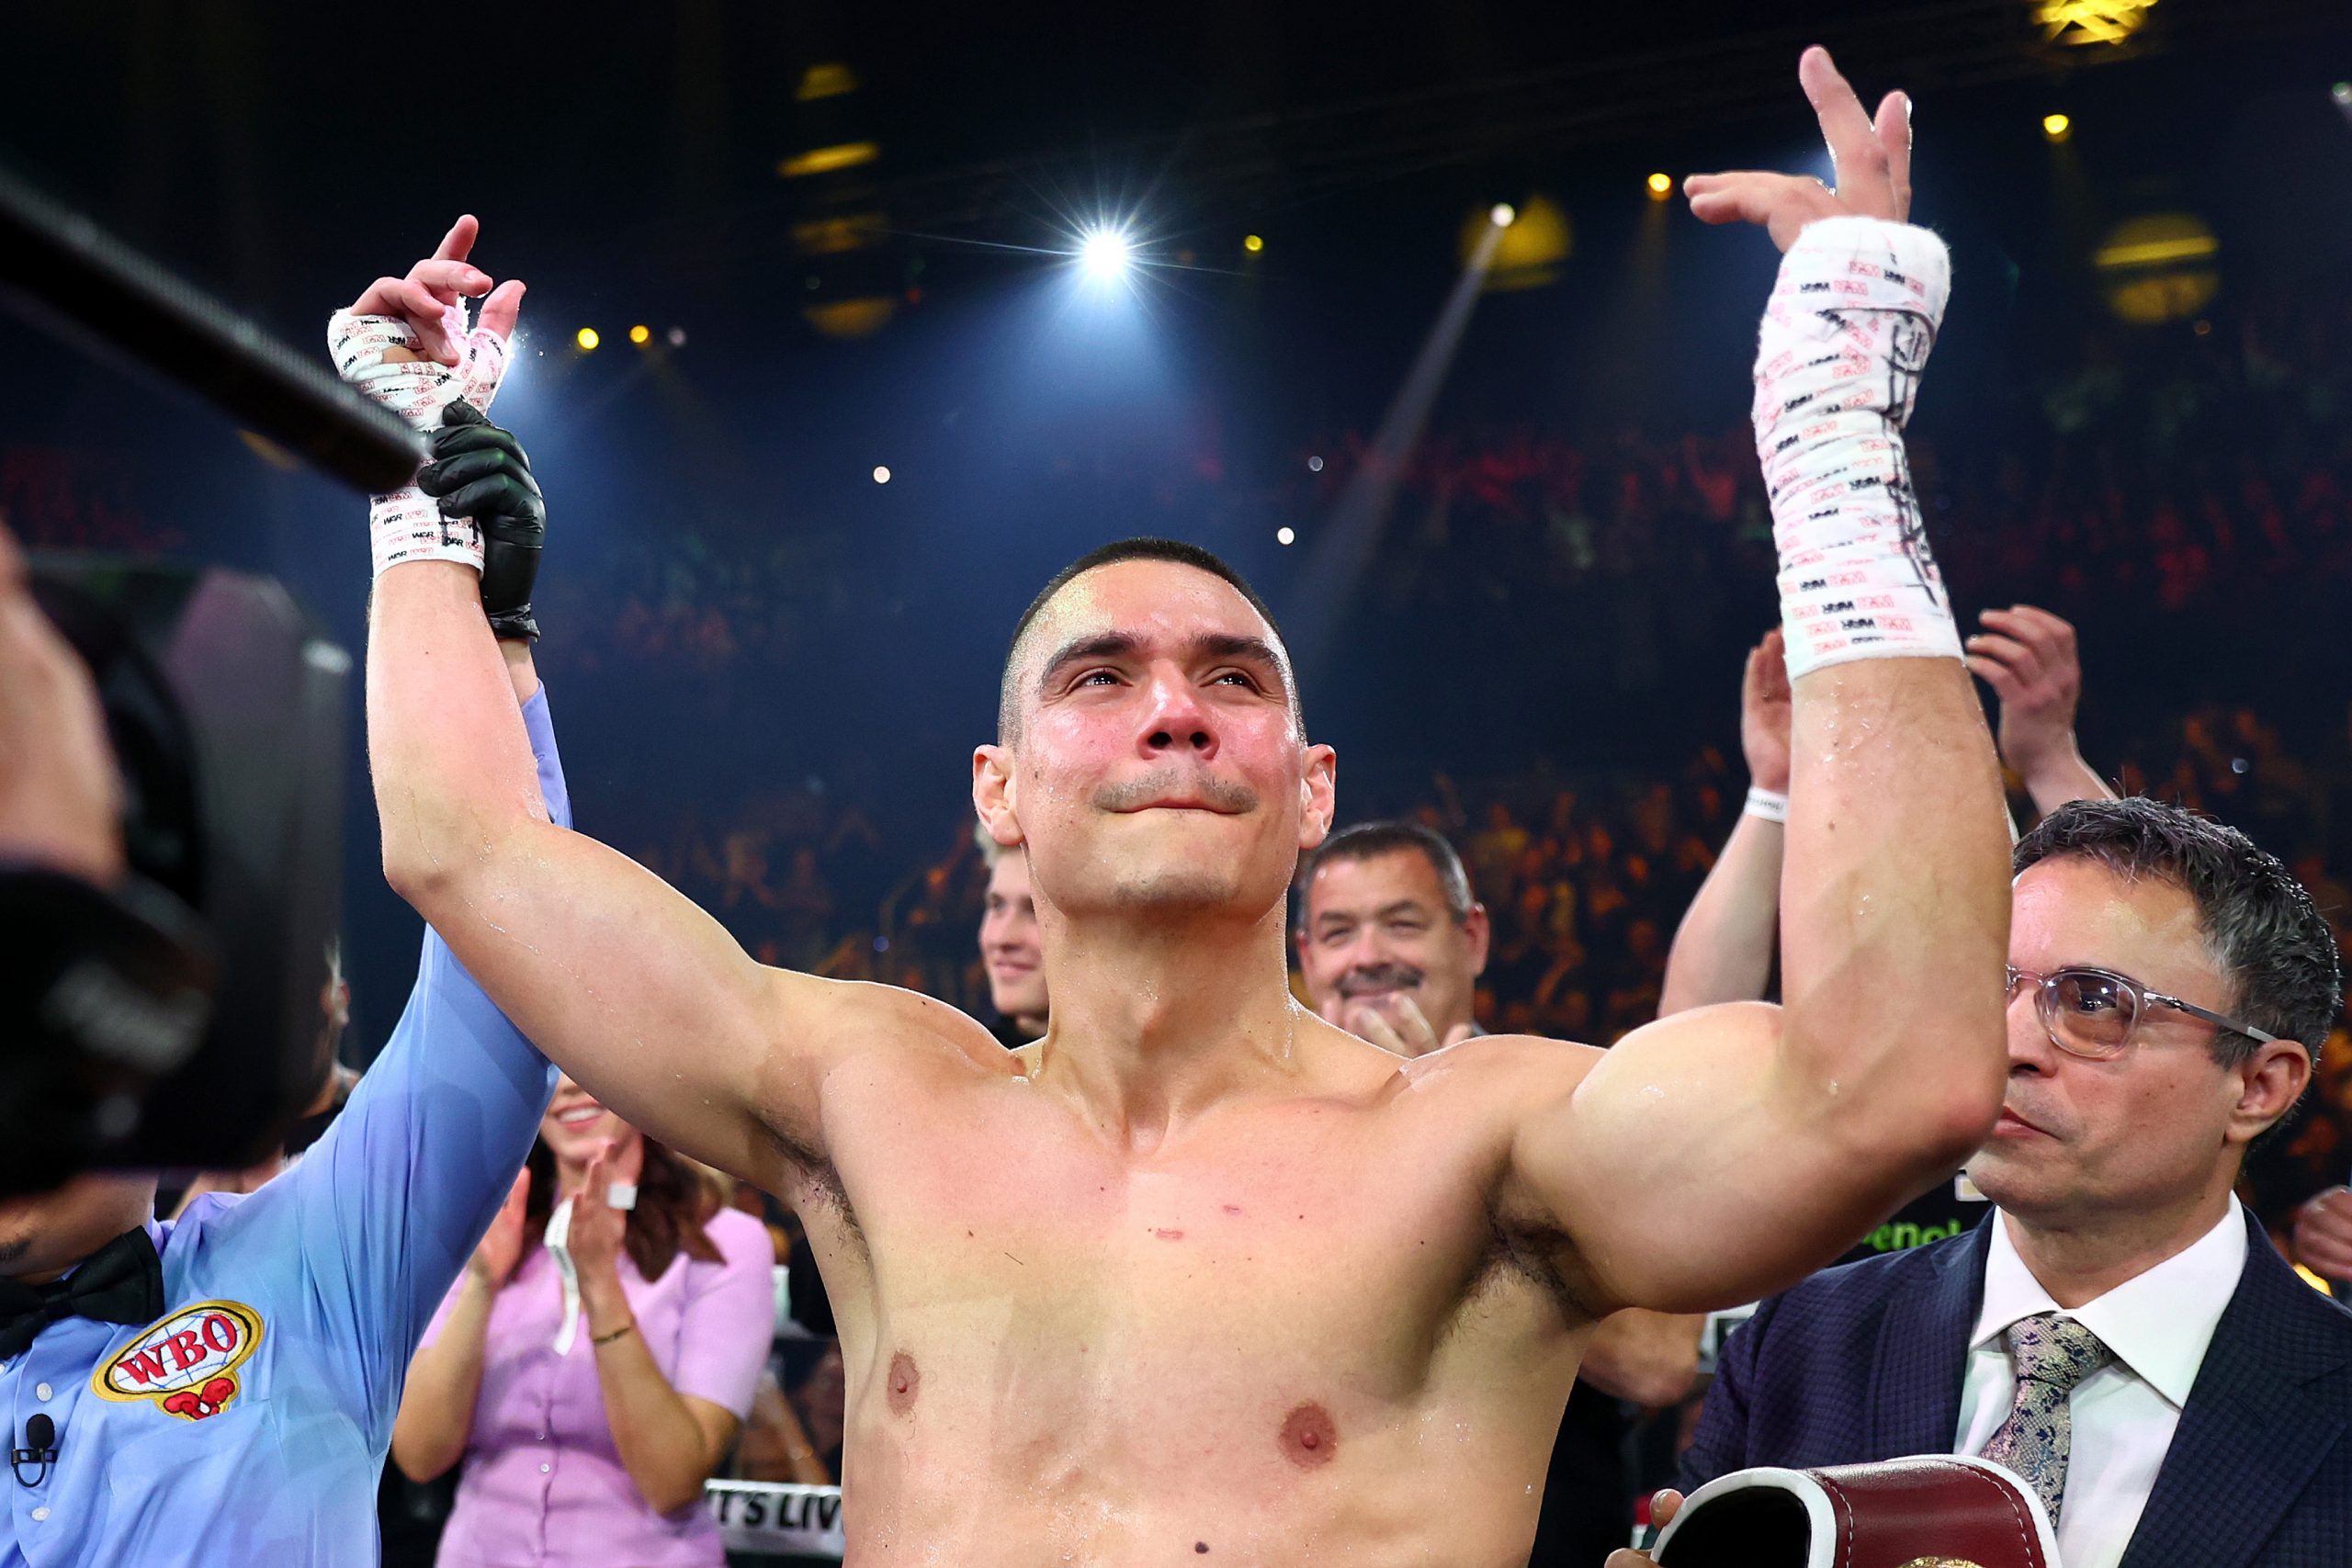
[(616, 976), (1718, 1155), (641, 995)]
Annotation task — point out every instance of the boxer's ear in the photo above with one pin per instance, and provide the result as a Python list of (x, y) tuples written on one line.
[(1318, 796), (995, 797)]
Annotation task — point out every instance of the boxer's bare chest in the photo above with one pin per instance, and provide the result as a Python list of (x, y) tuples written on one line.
[(1278, 1289)]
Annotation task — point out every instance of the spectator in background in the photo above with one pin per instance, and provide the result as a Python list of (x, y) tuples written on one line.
[(2125, 1322), (1016, 970), (587, 1441), (2323, 1238), (2028, 657), (1390, 946)]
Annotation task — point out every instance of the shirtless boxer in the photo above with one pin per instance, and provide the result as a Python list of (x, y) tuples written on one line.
[(1198, 1275)]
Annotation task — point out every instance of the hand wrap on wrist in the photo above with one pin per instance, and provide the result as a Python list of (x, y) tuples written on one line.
[(1838, 363), (407, 524)]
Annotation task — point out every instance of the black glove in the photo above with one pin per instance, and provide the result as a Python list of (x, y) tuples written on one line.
[(478, 472)]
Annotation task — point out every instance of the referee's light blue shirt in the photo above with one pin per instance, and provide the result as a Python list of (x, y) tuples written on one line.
[(247, 1427)]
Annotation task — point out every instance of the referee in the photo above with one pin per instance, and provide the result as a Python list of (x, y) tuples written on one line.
[(219, 1389)]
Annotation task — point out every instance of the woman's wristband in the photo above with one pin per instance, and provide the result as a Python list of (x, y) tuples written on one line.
[(603, 1339), (1772, 804)]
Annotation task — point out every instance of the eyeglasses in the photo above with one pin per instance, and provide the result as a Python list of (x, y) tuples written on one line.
[(2096, 1013)]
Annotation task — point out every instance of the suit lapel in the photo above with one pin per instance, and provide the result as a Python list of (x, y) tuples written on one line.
[(2269, 1404), (1923, 1353)]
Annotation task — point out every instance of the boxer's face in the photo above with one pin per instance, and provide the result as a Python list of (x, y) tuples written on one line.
[(1378, 928), (1157, 761), (2150, 1129), (40, 1236), (1009, 942)]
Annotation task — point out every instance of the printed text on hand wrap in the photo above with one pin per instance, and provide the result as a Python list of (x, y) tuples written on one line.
[(407, 524), (1837, 365)]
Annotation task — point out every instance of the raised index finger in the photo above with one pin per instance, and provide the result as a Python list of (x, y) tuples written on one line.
[(458, 240), (1856, 154)]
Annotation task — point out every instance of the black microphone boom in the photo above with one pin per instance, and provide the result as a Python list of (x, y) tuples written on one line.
[(61, 269)]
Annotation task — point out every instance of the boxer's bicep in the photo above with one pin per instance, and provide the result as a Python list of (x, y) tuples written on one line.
[(1686, 1172), (646, 1000)]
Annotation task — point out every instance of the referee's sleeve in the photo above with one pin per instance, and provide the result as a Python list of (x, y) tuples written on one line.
[(391, 1203)]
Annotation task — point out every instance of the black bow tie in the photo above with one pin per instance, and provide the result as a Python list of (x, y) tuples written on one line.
[(121, 1282)]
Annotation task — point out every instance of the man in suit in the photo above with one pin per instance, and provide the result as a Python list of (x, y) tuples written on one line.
[(2123, 1335)]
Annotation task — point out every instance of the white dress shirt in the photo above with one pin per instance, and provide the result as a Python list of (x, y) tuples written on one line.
[(2158, 1326)]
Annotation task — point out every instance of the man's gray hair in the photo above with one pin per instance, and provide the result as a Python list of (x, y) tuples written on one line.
[(1369, 841)]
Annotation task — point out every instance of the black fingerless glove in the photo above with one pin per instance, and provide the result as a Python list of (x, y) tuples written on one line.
[(479, 471)]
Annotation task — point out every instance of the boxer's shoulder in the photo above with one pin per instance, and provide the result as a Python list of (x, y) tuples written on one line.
[(1503, 1069), (893, 1027)]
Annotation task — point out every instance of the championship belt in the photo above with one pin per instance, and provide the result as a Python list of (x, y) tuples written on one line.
[(1932, 1511)]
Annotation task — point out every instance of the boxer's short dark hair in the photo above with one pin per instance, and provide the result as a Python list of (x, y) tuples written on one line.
[(1141, 548)]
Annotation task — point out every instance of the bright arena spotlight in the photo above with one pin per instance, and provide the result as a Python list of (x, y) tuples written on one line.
[(1106, 254), (1503, 215)]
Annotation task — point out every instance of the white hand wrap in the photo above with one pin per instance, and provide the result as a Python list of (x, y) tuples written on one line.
[(407, 524), (1837, 365)]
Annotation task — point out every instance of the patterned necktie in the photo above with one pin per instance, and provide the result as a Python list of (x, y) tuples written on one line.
[(2050, 1354)]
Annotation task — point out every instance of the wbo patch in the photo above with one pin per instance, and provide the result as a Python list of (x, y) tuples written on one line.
[(186, 1362)]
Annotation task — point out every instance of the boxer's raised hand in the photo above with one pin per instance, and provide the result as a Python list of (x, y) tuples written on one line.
[(1870, 159), (405, 344), (424, 298)]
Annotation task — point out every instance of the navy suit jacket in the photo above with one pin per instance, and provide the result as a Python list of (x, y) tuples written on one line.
[(1866, 1362)]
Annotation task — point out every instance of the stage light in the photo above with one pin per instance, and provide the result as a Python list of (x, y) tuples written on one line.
[(2057, 127), (881, 475), (1661, 186), (586, 338), (1286, 535), (2074, 22), (1527, 252), (2342, 93), (1252, 244), (1503, 215), (1105, 253), (641, 335), (828, 159), (1315, 464), (2161, 267), (677, 337)]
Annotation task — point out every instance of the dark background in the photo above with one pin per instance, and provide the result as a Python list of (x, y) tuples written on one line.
[(624, 161)]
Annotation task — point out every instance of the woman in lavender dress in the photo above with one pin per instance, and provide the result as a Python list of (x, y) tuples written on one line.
[(586, 1435)]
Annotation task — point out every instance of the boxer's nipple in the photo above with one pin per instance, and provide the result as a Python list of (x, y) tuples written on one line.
[(904, 1383), (1309, 1437)]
